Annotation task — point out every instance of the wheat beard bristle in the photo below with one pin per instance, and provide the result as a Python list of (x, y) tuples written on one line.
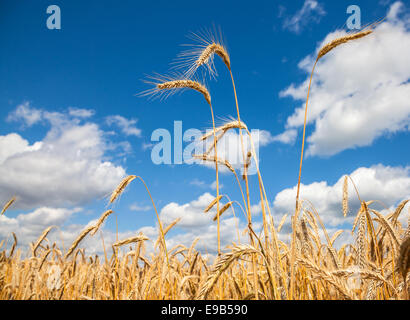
[(337, 42), (177, 84)]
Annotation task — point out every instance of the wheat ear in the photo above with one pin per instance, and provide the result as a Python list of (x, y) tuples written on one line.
[(120, 188), (185, 83), (337, 42), (41, 238), (345, 201), (100, 221), (78, 240), (221, 265), (213, 202), (7, 205), (130, 240), (224, 208)]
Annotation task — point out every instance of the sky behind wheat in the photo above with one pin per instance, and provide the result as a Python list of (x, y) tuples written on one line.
[(73, 124)]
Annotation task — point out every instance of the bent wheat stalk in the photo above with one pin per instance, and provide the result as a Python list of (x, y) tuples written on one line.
[(322, 52)]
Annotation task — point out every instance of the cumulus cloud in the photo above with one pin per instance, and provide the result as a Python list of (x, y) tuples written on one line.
[(28, 227), (360, 90), (29, 115), (202, 184), (127, 126), (66, 168), (81, 113), (24, 113), (389, 185), (198, 183), (311, 11), (195, 223), (138, 207), (288, 137)]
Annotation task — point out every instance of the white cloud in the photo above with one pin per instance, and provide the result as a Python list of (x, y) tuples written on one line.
[(202, 184), (288, 137), (213, 185), (127, 126), (191, 214), (26, 114), (198, 183), (81, 113), (195, 223), (29, 116), (28, 227), (65, 168), (13, 144), (360, 90), (389, 185), (311, 10), (146, 146), (137, 207)]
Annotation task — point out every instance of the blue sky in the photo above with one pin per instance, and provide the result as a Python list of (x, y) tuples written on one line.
[(72, 125)]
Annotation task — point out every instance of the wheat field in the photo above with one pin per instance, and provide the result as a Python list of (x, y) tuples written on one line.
[(308, 267)]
